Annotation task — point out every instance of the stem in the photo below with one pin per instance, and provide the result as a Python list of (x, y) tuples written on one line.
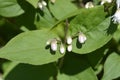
[(66, 30)]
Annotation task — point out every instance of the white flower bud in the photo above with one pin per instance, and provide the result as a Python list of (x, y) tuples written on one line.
[(69, 48), (105, 1), (54, 45), (44, 3), (89, 5), (116, 17), (118, 4), (40, 5), (81, 38), (62, 49), (69, 40)]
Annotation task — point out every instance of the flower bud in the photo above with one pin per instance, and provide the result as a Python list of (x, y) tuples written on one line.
[(40, 5), (54, 45), (48, 42), (69, 40), (62, 49), (69, 48), (89, 5), (44, 3), (81, 38), (118, 4)]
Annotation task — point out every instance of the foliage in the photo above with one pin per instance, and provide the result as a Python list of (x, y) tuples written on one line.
[(25, 27)]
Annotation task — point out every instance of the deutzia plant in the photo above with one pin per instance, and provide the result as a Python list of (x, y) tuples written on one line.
[(59, 39)]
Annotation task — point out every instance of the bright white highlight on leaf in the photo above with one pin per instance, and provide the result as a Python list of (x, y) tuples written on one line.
[(54, 45), (69, 40), (89, 5), (69, 48), (105, 1), (116, 17), (62, 49), (42, 4), (118, 4), (82, 38)]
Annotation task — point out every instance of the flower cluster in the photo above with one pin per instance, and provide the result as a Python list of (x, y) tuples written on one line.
[(54, 43), (42, 4)]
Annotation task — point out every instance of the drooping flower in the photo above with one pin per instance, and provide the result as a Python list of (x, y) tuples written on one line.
[(42, 4), (69, 48), (69, 40), (105, 1), (89, 5), (54, 45), (116, 17), (81, 38), (62, 49)]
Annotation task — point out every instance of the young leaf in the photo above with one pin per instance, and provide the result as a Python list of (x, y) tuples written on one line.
[(59, 10), (112, 67), (30, 47), (10, 8)]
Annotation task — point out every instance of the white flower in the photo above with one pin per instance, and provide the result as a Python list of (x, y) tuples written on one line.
[(69, 40), (105, 1), (81, 38), (116, 17), (89, 5), (42, 4), (62, 49), (118, 4), (54, 45), (69, 48)]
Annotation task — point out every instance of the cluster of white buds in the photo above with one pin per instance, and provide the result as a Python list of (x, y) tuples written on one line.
[(53, 45), (89, 5), (42, 4), (54, 42), (69, 42), (81, 38), (116, 17), (105, 1)]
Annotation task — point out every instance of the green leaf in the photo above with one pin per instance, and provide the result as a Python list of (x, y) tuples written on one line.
[(112, 67), (33, 2), (30, 47), (59, 10), (10, 8), (76, 67), (30, 72), (44, 20), (97, 28)]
